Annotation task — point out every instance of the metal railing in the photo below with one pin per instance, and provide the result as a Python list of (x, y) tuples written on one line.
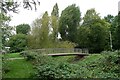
[(62, 50)]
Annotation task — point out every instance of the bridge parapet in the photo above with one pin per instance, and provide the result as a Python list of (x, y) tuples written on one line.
[(62, 50)]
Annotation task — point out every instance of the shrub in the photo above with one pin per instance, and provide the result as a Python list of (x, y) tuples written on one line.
[(17, 43), (65, 44), (29, 55), (107, 66)]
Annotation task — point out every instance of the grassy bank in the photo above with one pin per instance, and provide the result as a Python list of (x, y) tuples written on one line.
[(93, 66), (19, 68)]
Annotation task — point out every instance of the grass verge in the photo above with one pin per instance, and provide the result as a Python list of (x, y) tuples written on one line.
[(19, 69)]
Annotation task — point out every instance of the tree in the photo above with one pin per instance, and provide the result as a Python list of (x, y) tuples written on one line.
[(89, 16), (93, 33), (39, 37), (23, 29), (109, 18), (55, 22), (69, 21), (5, 29), (45, 30), (82, 37), (17, 43), (34, 36), (117, 33), (9, 5), (113, 21), (55, 11)]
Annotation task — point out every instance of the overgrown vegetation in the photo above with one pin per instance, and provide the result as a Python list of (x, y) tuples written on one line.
[(104, 65), (91, 31)]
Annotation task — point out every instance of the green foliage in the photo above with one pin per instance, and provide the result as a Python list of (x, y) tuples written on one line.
[(55, 26), (6, 34), (82, 38), (5, 30), (22, 29), (94, 33), (29, 55), (105, 65), (55, 11), (89, 16), (109, 18), (117, 33), (48, 68), (54, 23), (39, 37), (68, 23), (113, 21), (110, 64), (17, 43), (65, 44)]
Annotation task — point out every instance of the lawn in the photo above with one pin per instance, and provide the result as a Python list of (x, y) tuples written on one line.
[(19, 68), (12, 55)]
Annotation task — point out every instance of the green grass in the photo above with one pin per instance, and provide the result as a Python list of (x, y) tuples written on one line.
[(12, 55), (19, 69)]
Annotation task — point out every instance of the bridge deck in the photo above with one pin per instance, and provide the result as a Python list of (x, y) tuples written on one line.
[(68, 54)]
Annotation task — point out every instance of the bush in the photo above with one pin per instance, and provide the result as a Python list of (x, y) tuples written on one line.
[(29, 55), (104, 67), (17, 43), (107, 66), (65, 44), (57, 70)]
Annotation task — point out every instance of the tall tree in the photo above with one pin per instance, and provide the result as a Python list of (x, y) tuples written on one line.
[(45, 29), (89, 16), (55, 11), (69, 21), (93, 32), (55, 22), (117, 33), (34, 37), (39, 37), (23, 29), (113, 21)]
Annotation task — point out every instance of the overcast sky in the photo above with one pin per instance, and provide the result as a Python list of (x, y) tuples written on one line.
[(104, 7)]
